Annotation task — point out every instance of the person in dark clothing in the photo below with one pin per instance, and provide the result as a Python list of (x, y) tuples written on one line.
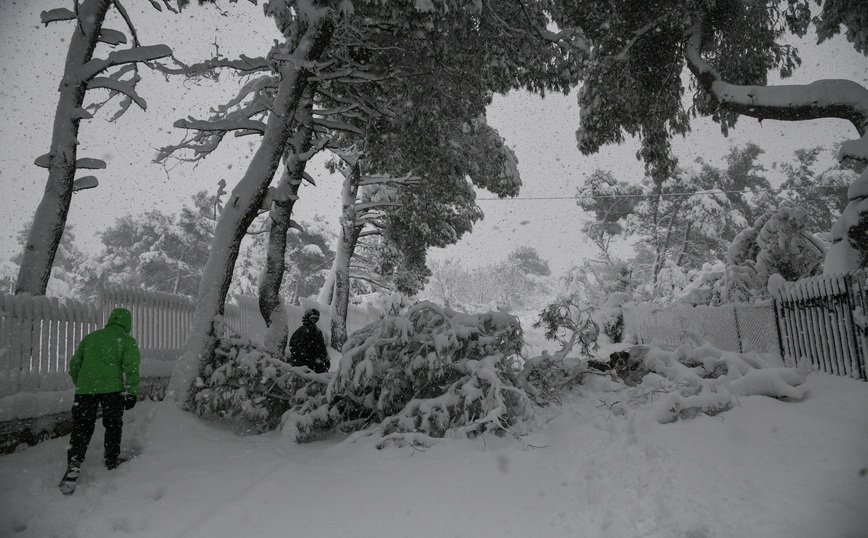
[(307, 345), (105, 371)]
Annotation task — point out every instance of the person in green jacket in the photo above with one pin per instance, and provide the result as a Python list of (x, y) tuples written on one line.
[(105, 370)]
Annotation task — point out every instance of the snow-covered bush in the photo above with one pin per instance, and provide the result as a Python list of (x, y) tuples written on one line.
[(423, 374), (245, 382), (610, 316), (719, 283), (567, 323), (592, 283), (700, 380)]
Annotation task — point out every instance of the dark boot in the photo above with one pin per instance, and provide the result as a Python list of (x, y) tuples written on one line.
[(70, 478), (113, 464)]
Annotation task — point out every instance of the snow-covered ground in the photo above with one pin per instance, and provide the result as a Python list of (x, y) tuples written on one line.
[(766, 468)]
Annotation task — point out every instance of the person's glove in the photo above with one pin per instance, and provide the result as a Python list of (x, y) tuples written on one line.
[(129, 401)]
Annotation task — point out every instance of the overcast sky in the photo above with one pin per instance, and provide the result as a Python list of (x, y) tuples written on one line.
[(541, 131)]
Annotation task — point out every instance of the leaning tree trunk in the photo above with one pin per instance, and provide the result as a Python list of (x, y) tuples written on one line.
[(49, 220), (346, 246), (281, 213), (240, 210), (79, 75), (327, 292)]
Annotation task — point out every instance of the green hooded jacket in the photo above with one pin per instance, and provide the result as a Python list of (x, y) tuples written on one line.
[(106, 356)]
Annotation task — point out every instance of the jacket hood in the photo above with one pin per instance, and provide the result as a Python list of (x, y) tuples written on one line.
[(311, 316), (122, 317)]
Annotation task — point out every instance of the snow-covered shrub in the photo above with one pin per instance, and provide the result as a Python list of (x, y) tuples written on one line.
[(423, 374), (567, 323), (389, 303), (719, 283), (671, 281), (610, 316), (592, 283), (245, 382), (701, 380)]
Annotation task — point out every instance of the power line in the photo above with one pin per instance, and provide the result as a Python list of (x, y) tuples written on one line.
[(701, 193)]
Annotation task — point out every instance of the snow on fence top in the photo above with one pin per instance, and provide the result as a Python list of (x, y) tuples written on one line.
[(734, 327), (823, 322), (38, 335)]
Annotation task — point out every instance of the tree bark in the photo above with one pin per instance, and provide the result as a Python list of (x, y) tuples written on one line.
[(49, 221), (346, 246), (240, 210), (683, 253), (281, 213)]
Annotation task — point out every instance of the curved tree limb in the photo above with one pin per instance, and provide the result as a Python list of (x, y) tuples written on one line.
[(834, 98)]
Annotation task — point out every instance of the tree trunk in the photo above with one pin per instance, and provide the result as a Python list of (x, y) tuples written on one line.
[(281, 213), (660, 253), (327, 292), (49, 220), (346, 246), (240, 210), (683, 254)]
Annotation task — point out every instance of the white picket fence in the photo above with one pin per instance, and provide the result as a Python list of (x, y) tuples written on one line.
[(38, 335)]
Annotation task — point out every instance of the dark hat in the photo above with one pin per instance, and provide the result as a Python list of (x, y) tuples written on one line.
[(311, 314)]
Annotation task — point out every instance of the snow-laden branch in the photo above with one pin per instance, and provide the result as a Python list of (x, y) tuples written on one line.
[(120, 57), (55, 15), (244, 64), (835, 98), (389, 180), (112, 37), (370, 108), (337, 126), (239, 124), (85, 163), (119, 86), (129, 22)]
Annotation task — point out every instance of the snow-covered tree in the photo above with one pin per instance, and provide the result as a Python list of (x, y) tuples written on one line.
[(337, 45), (634, 85), (729, 47), (610, 201), (689, 219), (521, 281), (823, 195), (681, 220), (82, 73), (294, 61), (744, 182), (779, 242), (158, 250), (70, 272)]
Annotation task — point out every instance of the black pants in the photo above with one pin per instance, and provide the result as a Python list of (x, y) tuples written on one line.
[(84, 410)]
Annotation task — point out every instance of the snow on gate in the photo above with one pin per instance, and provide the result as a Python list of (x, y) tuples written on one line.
[(823, 323), (818, 322)]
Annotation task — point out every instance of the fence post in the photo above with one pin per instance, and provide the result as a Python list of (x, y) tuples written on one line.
[(777, 307), (737, 330), (856, 298)]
